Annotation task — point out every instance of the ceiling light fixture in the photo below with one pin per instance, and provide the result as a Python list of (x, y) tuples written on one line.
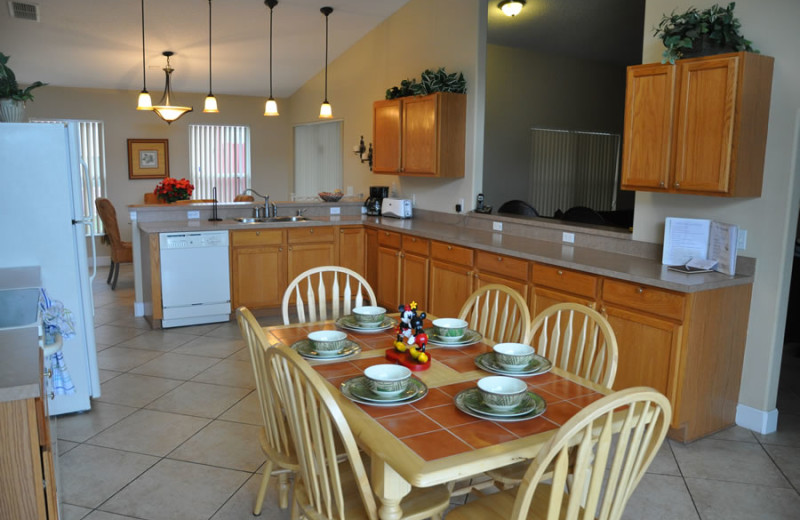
[(165, 109), (325, 111), (145, 103), (511, 7), (210, 105), (271, 108)]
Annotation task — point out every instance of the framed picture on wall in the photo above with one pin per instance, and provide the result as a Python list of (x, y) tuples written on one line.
[(148, 158)]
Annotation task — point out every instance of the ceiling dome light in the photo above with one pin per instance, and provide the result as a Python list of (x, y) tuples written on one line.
[(165, 109), (271, 107), (325, 110), (511, 7)]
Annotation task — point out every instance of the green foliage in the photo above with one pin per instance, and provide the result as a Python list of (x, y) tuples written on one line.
[(8, 83), (430, 82), (685, 32)]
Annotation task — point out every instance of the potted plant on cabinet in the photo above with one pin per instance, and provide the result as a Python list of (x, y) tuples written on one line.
[(13, 98), (701, 33)]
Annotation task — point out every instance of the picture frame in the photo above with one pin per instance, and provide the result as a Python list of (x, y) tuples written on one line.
[(148, 158)]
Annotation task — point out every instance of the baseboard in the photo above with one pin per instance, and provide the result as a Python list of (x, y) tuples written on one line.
[(138, 309), (757, 420)]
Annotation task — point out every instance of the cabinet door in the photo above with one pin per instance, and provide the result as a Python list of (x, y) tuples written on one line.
[(302, 257), (646, 149), (386, 131), (371, 237), (420, 141), (258, 276), (542, 298), (482, 279), (414, 280), (352, 250), (450, 286), (705, 124), (388, 288)]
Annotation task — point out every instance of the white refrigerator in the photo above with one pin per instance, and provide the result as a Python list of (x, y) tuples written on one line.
[(41, 210)]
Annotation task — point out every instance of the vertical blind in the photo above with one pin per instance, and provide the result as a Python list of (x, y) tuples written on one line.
[(219, 157), (570, 169), (317, 158)]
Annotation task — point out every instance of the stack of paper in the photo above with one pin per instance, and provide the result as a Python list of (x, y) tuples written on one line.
[(700, 245)]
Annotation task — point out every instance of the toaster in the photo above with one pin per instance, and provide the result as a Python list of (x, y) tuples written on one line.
[(398, 208)]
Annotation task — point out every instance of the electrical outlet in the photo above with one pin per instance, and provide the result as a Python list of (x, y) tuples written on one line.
[(568, 237), (497, 226), (192, 214), (741, 241), (336, 211), (349, 191)]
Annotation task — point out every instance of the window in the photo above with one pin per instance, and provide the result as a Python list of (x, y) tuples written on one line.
[(317, 158), (220, 158), (91, 139)]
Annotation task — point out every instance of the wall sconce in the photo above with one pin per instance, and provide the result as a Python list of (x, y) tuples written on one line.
[(362, 153)]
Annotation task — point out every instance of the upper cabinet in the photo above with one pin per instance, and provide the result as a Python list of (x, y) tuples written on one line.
[(420, 135), (699, 126)]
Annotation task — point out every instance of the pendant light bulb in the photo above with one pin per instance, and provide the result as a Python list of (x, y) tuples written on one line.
[(145, 102), (271, 106), (325, 110), (210, 105)]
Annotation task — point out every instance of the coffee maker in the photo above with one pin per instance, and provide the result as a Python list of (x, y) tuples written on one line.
[(376, 196)]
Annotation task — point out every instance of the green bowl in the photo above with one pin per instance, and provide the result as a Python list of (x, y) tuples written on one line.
[(328, 342), (449, 329)]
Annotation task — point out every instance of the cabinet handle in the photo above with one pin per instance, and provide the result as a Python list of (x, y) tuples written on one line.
[(311, 230), (499, 258), (677, 184), (661, 184), (258, 233), (413, 239), (289, 248), (48, 373), (51, 395), (560, 272), (449, 248), (280, 249), (639, 290), (341, 231)]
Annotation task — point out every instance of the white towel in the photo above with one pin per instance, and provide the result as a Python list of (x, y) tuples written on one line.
[(57, 320)]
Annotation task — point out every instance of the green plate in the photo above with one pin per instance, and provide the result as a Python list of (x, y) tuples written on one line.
[(470, 337), (474, 401), (349, 322), (356, 389), (470, 402), (305, 348), (538, 365)]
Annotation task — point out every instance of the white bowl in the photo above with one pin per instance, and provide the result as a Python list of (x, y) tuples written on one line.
[(328, 342), (369, 315), (449, 329), (513, 356), (502, 393), (387, 380)]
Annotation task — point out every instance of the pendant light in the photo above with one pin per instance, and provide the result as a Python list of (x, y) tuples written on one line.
[(325, 111), (511, 7), (210, 105), (165, 109), (271, 107), (145, 103)]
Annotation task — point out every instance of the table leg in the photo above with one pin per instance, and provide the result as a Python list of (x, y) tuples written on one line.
[(390, 488)]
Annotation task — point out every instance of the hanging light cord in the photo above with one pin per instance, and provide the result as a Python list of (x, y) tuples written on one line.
[(270, 52), (144, 73), (326, 57), (209, 47)]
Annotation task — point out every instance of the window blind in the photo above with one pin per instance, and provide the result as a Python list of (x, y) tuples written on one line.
[(317, 158), (219, 157)]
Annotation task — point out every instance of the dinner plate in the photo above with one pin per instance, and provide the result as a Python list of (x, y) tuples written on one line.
[(470, 337), (356, 389), (472, 395), (305, 348), (349, 322), (538, 365), (474, 401)]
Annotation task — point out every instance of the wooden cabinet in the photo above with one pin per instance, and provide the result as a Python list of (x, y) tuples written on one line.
[(371, 256), (451, 278), (420, 135), (699, 126), (352, 249), (414, 268), (388, 265), (258, 268), (551, 285), (506, 270), (310, 247)]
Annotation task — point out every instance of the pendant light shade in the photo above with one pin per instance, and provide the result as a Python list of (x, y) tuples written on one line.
[(271, 107), (145, 103), (210, 105), (165, 109), (511, 7), (325, 111)]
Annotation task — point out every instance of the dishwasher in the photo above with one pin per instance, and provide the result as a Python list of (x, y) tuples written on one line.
[(195, 278)]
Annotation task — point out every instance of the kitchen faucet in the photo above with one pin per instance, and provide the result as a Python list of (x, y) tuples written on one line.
[(270, 210)]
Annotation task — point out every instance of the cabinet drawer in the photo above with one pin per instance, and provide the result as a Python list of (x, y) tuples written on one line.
[(451, 253), (311, 234), (416, 245), (565, 280), (644, 298), (507, 266), (257, 237), (389, 239)]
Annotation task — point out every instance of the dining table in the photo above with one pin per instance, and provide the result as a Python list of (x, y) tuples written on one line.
[(432, 441)]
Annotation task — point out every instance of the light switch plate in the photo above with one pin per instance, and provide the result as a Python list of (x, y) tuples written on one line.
[(192, 214), (497, 226), (336, 211), (568, 237)]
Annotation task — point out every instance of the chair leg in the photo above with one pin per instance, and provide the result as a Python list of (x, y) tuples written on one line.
[(262, 489), (110, 272), (283, 490), (116, 275)]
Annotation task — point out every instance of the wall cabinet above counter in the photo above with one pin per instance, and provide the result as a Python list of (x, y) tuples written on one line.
[(698, 126)]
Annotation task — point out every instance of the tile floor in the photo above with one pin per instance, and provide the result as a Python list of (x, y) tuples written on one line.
[(173, 436)]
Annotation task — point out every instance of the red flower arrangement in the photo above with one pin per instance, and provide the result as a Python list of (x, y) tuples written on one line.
[(171, 189)]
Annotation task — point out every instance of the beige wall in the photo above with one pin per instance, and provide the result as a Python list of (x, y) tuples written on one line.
[(526, 89), (422, 34), (270, 138), (771, 219)]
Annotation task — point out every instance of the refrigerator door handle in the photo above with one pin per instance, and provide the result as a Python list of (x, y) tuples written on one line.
[(90, 219)]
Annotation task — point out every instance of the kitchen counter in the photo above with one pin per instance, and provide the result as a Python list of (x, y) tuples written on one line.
[(639, 269), (20, 365)]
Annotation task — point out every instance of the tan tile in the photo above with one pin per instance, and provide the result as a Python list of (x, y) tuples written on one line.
[(788, 433), (229, 373), (81, 426), (124, 359), (107, 375), (109, 335), (135, 390), (199, 399), (735, 433), (149, 431), (242, 354), (162, 340), (70, 512), (211, 347), (246, 410), (787, 458), (175, 366), (228, 330), (196, 330), (202, 489), (63, 447), (241, 504), (716, 499), (664, 462), (102, 515), (223, 444), (661, 497), (127, 319), (96, 473)]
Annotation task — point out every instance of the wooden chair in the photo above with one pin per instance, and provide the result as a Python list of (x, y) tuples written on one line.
[(274, 434), (344, 285), (603, 451), (498, 312), (121, 252), (330, 486)]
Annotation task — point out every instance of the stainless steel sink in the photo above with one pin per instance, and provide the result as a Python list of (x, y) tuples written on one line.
[(260, 220), (250, 220)]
